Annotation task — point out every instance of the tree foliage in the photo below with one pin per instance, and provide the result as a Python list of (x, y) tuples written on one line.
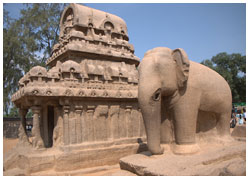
[(233, 68), (16, 58), (27, 42), (40, 24)]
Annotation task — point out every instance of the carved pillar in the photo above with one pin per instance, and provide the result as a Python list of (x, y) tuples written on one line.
[(78, 110), (90, 124), (56, 114), (58, 125), (128, 120), (135, 122), (114, 117), (84, 131), (122, 124), (66, 124), (22, 128), (45, 130), (37, 140), (72, 130)]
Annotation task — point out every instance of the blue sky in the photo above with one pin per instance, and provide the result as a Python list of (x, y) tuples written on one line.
[(202, 30)]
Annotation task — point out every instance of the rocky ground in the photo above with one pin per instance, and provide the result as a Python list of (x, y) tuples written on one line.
[(225, 159), (8, 144), (232, 157)]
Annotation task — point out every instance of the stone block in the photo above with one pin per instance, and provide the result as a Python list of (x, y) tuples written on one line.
[(214, 159), (41, 163)]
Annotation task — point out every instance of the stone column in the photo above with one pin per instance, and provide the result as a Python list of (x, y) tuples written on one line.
[(23, 138), (122, 124), (128, 120), (58, 125), (78, 110), (36, 134), (44, 119), (66, 124), (136, 122), (84, 137), (56, 114), (90, 124), (114, 117), (72, 130)]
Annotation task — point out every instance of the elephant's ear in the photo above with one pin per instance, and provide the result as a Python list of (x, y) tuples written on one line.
[(182, 62)]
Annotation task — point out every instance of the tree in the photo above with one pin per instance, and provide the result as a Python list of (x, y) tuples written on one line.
[(40, 24), (27, 42), (233, 68), (16, 59)]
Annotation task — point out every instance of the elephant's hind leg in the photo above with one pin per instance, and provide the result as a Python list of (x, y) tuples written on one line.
[(223, 128), (223, 125)]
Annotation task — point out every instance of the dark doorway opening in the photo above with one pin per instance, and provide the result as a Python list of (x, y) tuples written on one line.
[(50, 125)]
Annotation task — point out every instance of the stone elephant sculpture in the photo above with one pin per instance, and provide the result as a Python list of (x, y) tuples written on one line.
[(185, 87)]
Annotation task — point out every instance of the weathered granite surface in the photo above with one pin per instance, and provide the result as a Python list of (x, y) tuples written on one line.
[(89, 92), (87, 98), (25, 160), (173, 91), (213, 160)]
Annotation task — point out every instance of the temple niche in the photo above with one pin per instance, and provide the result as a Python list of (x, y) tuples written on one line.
[(88, 95)]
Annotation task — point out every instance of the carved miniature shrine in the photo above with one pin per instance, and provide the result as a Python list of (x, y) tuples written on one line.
[(88, 95)]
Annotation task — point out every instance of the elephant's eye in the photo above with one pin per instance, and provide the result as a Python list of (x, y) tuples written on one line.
[(157, 95)]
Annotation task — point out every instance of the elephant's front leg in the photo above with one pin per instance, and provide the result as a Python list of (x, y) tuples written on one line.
[(152, 121), (185, 117)]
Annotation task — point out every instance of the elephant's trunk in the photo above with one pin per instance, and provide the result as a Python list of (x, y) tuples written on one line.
[(150, 104), (152, 122), (149, 97)]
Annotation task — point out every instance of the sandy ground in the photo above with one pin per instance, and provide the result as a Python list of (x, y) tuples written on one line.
[(108, 172), (8, 144)]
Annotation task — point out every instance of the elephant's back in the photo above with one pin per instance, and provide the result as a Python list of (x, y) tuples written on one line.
[(215, 89), (207, 77)]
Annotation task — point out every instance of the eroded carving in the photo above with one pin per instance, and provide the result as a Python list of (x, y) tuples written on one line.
[(37, 141), (91, 68)]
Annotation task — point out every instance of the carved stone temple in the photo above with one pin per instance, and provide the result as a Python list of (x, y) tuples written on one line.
[(87, 99)]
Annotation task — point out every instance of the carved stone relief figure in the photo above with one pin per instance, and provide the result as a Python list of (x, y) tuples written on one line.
[(114, 117), (101, 123)]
